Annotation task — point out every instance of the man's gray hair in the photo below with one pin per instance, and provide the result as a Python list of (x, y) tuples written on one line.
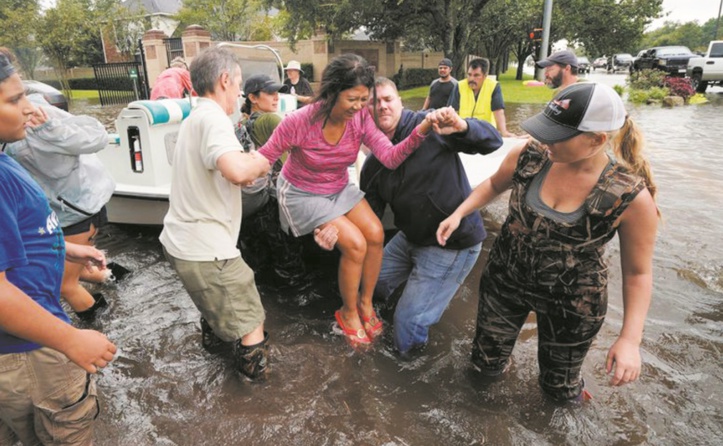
[(210, 64)]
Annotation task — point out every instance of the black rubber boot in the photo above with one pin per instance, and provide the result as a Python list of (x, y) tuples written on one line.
[(89, 314), (117, 272), (212, 343), (252, 360)]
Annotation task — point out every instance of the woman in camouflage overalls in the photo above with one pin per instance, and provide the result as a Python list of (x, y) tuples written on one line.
[(569, 198)]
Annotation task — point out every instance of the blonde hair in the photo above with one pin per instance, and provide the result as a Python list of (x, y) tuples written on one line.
[(627, 144)]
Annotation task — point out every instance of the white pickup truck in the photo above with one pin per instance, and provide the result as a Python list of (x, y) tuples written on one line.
[(707, 70)]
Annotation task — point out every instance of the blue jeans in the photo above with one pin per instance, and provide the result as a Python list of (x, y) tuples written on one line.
[(433, 276)]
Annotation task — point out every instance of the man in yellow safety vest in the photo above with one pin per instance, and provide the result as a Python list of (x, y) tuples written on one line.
[(480, 97)]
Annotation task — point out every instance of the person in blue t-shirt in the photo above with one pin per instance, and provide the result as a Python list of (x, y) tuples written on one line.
[(45, 363)]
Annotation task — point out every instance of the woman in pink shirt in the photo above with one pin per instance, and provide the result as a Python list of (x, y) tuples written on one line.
[(323, 140)]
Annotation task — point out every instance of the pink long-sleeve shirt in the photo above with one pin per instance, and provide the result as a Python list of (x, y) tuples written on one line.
[(318, 167)]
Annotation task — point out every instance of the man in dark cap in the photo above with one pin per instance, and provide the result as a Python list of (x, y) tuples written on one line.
[(440, 88), (560, 69)]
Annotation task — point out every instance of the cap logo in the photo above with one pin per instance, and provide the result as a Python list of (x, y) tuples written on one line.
[(558, 106)]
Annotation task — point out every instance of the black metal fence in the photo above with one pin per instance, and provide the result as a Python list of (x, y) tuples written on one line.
[(120, 83), (174, 48)]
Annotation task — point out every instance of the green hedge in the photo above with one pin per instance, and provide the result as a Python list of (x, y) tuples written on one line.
[(120, 84), (308, 70), (76, 84), (414, 77)]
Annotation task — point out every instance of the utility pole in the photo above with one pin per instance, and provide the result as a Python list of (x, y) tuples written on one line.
[(546, 20), (717, 22)]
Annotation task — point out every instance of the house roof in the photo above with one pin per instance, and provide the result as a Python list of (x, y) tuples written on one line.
[(154, 6)]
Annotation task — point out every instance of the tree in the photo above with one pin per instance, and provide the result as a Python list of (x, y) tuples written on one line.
[(605, 26), (690, 34), (18, 21), (442, 24), (227, 20), (70, 30), (503, 29)]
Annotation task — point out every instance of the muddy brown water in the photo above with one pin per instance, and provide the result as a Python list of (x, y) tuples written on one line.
[(163, 389)]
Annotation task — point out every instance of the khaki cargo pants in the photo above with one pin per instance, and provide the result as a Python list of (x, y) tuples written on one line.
[(45, 399)]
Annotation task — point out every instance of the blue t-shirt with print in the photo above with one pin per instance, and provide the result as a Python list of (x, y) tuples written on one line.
[(32, 250)]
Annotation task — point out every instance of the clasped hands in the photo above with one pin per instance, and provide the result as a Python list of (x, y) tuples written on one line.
[(445, 121)]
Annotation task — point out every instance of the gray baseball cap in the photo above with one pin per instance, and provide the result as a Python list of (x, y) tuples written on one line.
[(565, 57)]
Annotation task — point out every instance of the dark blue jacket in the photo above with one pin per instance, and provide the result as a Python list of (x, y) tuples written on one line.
[(431, 183)]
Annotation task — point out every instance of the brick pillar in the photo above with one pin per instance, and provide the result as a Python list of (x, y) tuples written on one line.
[(156, 55), (195, 39)]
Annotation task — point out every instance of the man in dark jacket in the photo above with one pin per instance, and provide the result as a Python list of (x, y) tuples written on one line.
[(422, 192)]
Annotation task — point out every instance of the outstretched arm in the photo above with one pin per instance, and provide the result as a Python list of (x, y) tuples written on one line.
[(637, 231), (24, 318), (481, 195)]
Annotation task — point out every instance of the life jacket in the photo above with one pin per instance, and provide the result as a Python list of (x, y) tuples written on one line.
[(482, 107)]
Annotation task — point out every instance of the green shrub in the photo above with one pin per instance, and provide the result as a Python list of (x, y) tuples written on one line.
[(414, 77), (88, 83), (643, 96), (646, 79), (619, 89), (658, 93), (308, 70)]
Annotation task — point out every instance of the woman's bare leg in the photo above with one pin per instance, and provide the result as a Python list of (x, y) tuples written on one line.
[(371, 228), (353, 248), (71, 290)]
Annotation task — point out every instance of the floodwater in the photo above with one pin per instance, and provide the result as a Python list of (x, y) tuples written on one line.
[(163, 389)]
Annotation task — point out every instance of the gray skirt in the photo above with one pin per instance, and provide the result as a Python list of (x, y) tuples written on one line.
[(301, 211)]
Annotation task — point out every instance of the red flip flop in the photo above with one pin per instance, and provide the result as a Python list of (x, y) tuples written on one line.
[(357, 338), (372, 324)]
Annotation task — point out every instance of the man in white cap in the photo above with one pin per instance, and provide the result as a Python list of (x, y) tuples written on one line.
[(297, 84), (441, 88), (560, 69)]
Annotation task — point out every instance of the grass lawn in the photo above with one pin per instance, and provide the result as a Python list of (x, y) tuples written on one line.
[(85, 94), (512, 90)]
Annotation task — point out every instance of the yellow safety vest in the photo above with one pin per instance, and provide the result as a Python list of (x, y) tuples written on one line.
[(482, 107)]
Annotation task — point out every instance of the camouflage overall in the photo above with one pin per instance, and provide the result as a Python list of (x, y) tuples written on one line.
[(556, 270)]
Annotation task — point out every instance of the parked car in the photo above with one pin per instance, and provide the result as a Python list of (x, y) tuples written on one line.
[(583, 64), (633, 67), (51, 94), (620, 62), (671, 59), (600, 62), (707, 70)]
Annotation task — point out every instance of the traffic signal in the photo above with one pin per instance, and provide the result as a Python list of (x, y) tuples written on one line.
[(536, 35)]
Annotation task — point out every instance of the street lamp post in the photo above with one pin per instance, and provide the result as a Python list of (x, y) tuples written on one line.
[(545, 44)]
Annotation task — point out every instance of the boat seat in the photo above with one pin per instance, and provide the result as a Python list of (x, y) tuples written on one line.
[(163, 111)]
